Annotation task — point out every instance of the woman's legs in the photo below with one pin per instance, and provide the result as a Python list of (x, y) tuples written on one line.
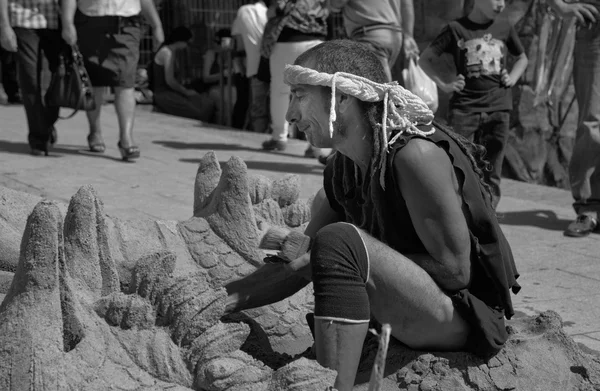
[(93, 116), (283, 53), (125, 106)]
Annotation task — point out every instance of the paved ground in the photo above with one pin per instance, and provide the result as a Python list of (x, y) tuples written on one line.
[(557, 273)]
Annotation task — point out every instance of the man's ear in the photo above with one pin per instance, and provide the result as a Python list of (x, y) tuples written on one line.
[(344, 101)]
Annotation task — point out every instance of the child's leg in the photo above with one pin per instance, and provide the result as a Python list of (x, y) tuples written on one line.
[(494, 136)]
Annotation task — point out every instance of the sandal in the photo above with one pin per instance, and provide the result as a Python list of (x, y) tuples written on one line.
[(129, 153), (95, 145)]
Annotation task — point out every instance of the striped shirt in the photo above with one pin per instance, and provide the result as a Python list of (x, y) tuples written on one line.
[(34, 14), (123, 8)]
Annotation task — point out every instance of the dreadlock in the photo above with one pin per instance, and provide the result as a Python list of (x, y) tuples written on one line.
[(474, 152)]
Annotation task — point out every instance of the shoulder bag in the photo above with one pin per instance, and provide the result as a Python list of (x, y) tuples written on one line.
[(70, 86)]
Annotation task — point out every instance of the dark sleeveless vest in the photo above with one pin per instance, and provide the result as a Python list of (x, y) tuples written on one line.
[(494, 272)]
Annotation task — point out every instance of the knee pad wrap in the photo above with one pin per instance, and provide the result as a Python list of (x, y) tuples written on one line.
[(340, 271)]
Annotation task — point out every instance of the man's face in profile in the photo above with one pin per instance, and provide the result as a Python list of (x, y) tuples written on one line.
[(309, 110)]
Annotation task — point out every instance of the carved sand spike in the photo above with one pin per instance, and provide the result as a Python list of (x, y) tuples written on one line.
[(52, 339), (269, 211), (155, 352), (15, 206), (260, 188), (188, 305), (126, 311), (297, 214), (86, 243), (207, 179), (233, 219), (220, 339), (286, 190), (152, 275), (30, 317)]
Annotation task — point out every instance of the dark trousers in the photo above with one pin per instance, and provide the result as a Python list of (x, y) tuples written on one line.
[(584, 167), (242, 101), (8, 73), (491, 131), (259, 105), (37, 57)]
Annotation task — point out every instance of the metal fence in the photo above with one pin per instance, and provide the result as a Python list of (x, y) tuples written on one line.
[(204, 18)]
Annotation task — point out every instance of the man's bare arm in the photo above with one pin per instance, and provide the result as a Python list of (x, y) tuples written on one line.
[(67, 18), (429, 186), (431, 63), (4, 19), (269, 284), (67, 11), (407, 10), (407, 15), (8, 39), (151, 14), (337, 5), (517, 70), (275, 282), (583, 11)]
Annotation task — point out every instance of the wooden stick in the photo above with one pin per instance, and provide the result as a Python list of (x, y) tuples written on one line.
[(376, 381)]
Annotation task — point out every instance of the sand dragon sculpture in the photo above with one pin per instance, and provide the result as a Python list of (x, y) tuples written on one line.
[(95, 302)]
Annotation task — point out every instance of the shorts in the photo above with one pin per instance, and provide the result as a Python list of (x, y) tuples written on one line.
[(488, 330), (110, 46)]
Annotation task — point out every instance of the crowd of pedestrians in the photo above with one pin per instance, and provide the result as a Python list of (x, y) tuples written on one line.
[(267, 35)]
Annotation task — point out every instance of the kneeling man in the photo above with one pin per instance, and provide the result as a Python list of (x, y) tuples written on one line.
[(403, 230)]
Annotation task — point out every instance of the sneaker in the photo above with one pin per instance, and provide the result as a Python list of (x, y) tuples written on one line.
[(310, 153), (53, 136), (323, 159), (582, 226), (274, 145), (38, 152), (3, 96)]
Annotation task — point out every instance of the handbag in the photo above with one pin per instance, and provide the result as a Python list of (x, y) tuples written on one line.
[(70, 86)]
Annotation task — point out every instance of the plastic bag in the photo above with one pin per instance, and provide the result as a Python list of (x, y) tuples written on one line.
[(417, 82)]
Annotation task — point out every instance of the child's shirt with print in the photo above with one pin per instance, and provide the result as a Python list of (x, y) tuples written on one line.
[(479, 52)]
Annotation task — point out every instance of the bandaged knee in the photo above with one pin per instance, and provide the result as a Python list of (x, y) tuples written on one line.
[(340, 271)]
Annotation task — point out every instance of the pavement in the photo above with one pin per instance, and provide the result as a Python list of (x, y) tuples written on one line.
[(557, 273)]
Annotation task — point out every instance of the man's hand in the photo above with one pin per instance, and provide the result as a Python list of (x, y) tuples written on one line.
[(584, 13), (301, 266), (69, 33), (190, 93), (8, 39), (158, 37), (507, 80), (455, 86), (410, 47)]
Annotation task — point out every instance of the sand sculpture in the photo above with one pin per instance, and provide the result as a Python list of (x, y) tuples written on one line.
[(93, 302)]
